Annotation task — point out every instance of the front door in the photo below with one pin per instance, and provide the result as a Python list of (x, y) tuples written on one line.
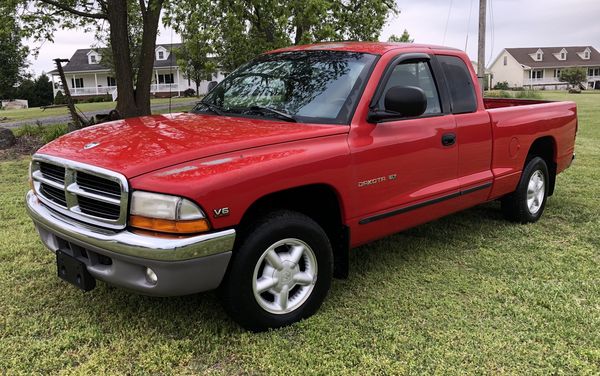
[(405, 167)]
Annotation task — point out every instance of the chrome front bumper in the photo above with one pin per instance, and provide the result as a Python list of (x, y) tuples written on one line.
[(183, 265)]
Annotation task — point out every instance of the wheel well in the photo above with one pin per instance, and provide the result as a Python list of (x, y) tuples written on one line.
[(545, 148), (318, 201)]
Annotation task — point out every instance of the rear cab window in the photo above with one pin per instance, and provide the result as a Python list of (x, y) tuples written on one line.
[(460, 84)]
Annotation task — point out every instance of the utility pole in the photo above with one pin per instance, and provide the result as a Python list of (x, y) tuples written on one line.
[(481, 44)]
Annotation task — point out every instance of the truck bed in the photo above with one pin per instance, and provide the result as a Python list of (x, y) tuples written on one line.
[(491, 103)]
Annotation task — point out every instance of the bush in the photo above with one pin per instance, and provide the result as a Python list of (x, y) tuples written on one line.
[(528, 94), (60, 98), (189, 93), (501, 85), (498, 94)]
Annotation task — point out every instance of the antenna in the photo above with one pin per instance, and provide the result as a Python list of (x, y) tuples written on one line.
[(171, 72)]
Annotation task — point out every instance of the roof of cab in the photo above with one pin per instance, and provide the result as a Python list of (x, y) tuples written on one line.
[(378, 48)]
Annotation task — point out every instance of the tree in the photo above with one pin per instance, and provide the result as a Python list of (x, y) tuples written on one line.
[(13, 55), (404, 38), (574, 77), (240, 30), (193, 59), (40, 18), (38, 92)]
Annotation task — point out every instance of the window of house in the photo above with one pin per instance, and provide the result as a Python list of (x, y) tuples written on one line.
[(597, 72), (557, 73), (539, 56), (166, 78), (161, 55), (536, 74), (586, 55), (110, 81), (563, 56), (462, 91), (76, 82), (93, 59), (505, 60)]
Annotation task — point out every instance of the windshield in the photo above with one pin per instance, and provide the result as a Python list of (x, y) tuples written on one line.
[(303, 86)]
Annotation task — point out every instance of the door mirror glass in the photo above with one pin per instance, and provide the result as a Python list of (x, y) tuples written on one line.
[(408, 101)]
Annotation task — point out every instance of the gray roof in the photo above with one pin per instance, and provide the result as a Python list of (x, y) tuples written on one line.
[(550, 61), (79, 61)]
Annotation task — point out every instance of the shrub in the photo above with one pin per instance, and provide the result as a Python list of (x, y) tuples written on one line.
[(501, 85), (528, 94), (498, 94), (189, 92), (53, 132), (60, 98)]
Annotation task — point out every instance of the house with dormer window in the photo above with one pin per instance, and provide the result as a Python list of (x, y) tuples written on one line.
[(87, 77), (540, 67)]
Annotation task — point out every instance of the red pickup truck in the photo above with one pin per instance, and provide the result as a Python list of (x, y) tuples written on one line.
[(296, 157)]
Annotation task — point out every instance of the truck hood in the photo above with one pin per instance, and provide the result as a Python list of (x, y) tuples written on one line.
[(139, 145)]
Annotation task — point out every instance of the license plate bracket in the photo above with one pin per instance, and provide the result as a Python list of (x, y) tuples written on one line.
[(74, 271)]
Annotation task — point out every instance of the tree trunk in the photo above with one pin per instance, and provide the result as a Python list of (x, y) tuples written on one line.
[(119, 41), (151, 16)]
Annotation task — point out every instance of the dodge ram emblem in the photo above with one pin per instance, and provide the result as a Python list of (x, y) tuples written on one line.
[(91, 145)]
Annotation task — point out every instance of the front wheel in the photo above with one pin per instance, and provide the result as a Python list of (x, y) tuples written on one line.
[(526, 204), (280, 273)]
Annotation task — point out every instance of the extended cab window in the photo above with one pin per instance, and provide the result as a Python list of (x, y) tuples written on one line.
[(415, 74), (458, 78)]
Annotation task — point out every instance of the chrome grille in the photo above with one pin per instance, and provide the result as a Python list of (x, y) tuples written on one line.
[(84, 192)]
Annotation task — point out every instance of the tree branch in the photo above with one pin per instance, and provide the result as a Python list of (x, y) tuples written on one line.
[(66, 8)]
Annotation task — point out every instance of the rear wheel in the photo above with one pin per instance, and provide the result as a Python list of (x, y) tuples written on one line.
[(280, 273), (526, 204)]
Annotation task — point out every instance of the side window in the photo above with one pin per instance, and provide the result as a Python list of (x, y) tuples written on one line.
[(415, 74), (458, 77)]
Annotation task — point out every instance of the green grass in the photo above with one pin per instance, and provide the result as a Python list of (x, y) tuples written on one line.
[(37, 113), (470, 293)]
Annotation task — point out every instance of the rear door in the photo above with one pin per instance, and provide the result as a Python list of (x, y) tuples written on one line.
[(473, 127)]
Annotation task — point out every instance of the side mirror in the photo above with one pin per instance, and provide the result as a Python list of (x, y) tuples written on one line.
[(400, 102)]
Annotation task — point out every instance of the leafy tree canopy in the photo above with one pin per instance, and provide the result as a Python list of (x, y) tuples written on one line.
[(130, 28), (240, 30), (404, 38), (573, 76), (13, 54), (38, 92)]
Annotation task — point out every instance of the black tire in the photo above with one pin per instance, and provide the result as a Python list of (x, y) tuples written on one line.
[(238, 288), (515, 206)]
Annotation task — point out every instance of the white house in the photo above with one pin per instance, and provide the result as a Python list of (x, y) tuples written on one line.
[(539, 67), (88, 77)]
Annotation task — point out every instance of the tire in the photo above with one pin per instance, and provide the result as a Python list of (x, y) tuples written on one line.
[(526, 204), (264, 270)]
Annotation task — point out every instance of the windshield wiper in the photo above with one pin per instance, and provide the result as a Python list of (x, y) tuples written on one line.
[(213, 107), (284, 115)]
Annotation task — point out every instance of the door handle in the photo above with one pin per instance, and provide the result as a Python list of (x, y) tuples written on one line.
[(448, 139)]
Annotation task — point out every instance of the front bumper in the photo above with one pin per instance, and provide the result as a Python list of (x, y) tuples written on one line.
[(182, 265)]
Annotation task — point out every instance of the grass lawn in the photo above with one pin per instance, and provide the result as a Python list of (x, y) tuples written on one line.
[(470, 293), (36, 112)]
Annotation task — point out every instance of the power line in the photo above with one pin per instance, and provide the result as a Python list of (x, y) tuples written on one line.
[(468, 25), (447, 20), (492, 31)]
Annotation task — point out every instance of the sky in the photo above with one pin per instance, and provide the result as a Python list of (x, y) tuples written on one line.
[(511, 23)]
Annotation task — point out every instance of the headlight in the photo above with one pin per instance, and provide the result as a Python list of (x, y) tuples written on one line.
[(165, 213)]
